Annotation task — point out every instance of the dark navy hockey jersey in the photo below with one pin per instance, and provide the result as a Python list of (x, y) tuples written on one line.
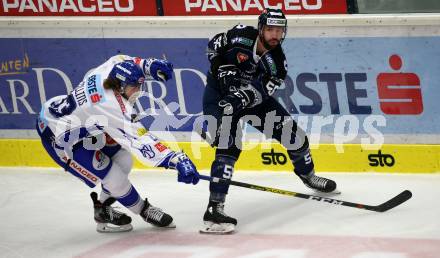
[(238, 46)]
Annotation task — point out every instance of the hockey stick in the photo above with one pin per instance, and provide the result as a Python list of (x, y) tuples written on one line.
[(393, 202)]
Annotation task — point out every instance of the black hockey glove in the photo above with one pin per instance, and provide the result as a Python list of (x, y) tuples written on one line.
[(238, 99), (228, 76)]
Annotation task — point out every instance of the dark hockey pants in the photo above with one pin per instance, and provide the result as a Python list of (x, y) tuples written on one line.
[(229, 145)]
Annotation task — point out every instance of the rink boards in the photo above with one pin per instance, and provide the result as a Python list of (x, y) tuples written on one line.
[(351, 78), (406, 158)]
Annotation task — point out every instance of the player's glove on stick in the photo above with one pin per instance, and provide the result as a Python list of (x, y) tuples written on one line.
[(228, 76), (187, 171)]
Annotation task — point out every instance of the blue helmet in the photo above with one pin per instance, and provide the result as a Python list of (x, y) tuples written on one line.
[(128, 73)]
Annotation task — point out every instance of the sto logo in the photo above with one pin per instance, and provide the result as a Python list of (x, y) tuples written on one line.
[(399, 93), (100, 160)]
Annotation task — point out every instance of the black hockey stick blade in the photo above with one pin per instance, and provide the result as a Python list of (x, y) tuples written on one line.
[(395, 201)]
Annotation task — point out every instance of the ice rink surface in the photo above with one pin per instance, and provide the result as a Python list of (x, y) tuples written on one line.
[(48, 213)]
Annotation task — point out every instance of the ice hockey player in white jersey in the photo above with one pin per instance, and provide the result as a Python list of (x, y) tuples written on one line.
[(90, 134)]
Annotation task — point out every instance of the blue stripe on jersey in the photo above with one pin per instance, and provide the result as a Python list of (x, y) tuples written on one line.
[(105, 190), (165, 161), (130, 199)]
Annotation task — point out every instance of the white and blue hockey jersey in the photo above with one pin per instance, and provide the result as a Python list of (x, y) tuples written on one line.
[(90, 110)]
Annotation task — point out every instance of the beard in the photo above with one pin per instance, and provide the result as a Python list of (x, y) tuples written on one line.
[(271, 44), (274, 42)]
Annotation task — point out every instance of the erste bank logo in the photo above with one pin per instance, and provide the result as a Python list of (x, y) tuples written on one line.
[(399, 93), (389, 91)]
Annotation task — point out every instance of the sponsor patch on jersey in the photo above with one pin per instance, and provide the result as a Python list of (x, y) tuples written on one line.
[(120, 102), (243, 41), (100, 160), (42, 121), (242, 57), (141, 131), (137, 60), (160, 147), (271, 63), (81, 170), (94, 90), (41, 125), (147, 151)]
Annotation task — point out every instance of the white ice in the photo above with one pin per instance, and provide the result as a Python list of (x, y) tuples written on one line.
[(48, 213)]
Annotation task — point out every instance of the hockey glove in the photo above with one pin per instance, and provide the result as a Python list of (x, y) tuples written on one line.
[(228, 76), (158, 69), (187, 171), (238, 99)]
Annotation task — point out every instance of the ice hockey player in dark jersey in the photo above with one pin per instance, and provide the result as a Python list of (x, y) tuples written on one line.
[(247, 66)]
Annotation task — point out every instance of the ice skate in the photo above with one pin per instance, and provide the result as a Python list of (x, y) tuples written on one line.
[(156, 217), (108, 219), (319, 184), (216, 221)]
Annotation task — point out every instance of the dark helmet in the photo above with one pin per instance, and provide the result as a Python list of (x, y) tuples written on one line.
[(272, 17), (128, 73)]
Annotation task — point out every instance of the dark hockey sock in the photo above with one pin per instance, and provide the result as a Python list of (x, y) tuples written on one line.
[(301, 160), (217, 197), (222, 167)]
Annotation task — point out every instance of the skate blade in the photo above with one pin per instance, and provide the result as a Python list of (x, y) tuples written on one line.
[(170, 226), (328, 194), (334, 192), (217, 228), (111, 228)]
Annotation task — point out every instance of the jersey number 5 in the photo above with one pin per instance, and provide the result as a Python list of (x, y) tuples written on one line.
[(271, 87), (227, 172)]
